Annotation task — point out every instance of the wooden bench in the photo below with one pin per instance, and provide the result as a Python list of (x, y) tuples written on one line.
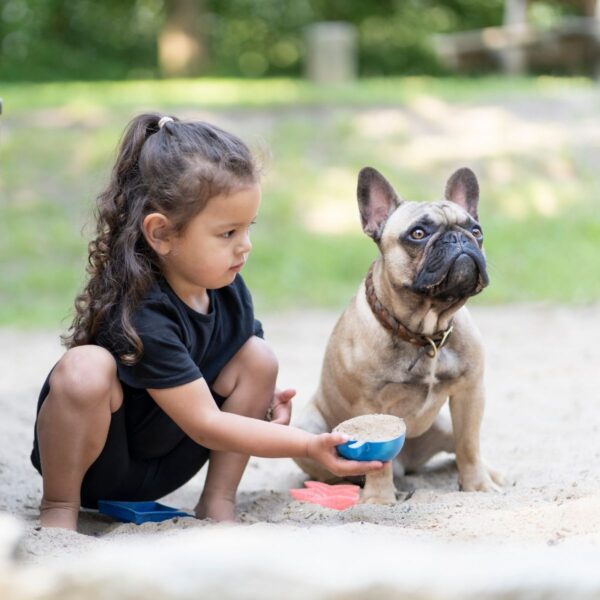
[(572, 46)]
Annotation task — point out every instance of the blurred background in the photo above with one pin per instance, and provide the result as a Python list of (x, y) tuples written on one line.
[(319, 89)]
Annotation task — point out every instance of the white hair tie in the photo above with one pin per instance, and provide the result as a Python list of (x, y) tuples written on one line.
[(164, 120)]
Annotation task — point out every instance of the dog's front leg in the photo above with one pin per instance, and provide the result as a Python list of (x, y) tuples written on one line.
[(466, 408), (379, 487)]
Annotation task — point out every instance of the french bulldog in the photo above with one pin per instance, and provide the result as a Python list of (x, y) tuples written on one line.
[(406, 343)]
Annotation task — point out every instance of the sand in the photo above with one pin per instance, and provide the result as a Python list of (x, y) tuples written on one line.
[(372, 427), (541, 429)]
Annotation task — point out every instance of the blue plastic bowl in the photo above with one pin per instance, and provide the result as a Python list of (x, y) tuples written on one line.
[(384, 450), (139, 512)]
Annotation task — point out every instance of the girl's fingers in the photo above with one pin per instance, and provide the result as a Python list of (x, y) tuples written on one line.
[(281, 416), (335, 439), (355, 467), (284, 396), (281, 406), (341, 466)]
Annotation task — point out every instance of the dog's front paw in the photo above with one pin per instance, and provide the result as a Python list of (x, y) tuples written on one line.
[(480, 478), (378, 497), (379, 487)]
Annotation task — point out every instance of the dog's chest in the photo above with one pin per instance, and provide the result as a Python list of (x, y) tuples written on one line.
[(425, 371), (417, 395), (442, 370)]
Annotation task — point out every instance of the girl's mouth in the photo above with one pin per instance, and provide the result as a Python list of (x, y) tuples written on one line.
[(237, 267)]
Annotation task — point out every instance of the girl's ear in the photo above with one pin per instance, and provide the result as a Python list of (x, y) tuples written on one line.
[(157, 231)]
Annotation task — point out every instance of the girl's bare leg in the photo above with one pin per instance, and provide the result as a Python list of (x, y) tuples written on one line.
[(72, 428), (248, 383)]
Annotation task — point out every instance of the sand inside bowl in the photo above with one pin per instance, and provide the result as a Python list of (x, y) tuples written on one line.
[(372, 428)]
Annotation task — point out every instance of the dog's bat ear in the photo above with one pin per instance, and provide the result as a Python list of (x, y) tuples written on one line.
[(463, 189), (376, 201)]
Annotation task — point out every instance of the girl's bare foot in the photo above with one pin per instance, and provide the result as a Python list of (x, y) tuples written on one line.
[(59, 514), (216, 507)]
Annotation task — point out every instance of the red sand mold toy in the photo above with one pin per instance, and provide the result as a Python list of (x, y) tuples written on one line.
[(338, 497)]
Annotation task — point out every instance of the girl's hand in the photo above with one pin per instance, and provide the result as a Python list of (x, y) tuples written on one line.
[(280, 410), (322, 449)]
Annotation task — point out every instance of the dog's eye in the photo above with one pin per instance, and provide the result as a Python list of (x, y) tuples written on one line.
[(476, 231), (417, 233)]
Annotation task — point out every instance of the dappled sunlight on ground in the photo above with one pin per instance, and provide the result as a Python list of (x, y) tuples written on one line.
[(79, 113), (531, 156), (382, 122), (475, 133), (331, 211)]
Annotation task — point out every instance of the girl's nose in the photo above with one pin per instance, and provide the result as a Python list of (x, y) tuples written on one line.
[(245, 244)]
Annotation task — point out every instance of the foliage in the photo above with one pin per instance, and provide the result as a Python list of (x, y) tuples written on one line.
[(78, 39), (43, 40)]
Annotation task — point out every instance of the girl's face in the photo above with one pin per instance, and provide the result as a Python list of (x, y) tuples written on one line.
[(213, 247)]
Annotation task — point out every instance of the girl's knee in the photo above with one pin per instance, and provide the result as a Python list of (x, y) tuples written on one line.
[(85, 375), (255, 364), (261, 360)]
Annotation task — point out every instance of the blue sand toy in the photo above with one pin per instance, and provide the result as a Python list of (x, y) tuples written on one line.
[(389, 432), (382, 450), (139, 512)]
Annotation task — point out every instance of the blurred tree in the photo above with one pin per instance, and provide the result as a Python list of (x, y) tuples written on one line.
[(78, 39), (265, 37), (87, 39), (181, 50)]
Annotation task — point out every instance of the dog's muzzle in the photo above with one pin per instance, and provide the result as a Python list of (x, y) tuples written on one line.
[(454, 268)]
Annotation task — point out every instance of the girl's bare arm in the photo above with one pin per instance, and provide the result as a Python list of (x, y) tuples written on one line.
[(193, 408)]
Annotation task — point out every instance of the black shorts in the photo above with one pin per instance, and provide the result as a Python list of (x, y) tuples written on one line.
[(117, 474)]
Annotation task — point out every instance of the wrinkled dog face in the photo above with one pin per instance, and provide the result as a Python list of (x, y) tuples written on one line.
[(434, 249)]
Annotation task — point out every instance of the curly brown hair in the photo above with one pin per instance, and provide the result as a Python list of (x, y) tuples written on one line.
[(174, 169)]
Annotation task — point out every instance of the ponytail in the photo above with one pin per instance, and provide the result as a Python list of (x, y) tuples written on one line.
[(120, 265)]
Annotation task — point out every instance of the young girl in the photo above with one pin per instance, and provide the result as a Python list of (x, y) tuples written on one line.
[(166, 367)]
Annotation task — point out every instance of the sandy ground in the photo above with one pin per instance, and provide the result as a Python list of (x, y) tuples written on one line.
[(541, 428)]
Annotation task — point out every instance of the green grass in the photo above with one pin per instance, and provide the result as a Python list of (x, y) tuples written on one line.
[(539, 203), (86, 98), (544, 260)]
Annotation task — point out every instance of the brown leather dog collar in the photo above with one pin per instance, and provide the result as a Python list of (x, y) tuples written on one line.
[(434, 341)]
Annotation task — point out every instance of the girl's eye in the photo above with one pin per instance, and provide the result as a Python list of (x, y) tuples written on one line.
[(228, 234), (417, 233)]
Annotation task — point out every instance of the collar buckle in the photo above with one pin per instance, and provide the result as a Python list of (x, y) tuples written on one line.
[(437, 346)]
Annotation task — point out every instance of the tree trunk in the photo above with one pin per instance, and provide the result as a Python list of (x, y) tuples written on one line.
[(181, 51), (513, 58)]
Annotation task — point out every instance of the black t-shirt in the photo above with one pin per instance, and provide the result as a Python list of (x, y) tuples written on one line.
[(180, 346)]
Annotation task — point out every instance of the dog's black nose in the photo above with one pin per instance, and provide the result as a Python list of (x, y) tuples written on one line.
[(450, 237), (457, 238)]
